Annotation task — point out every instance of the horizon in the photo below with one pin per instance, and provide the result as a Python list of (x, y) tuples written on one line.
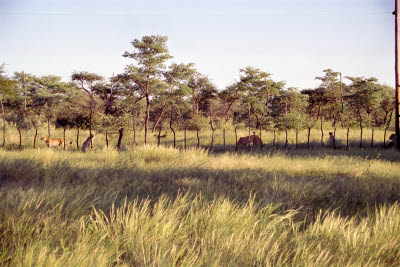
[(353, 37)]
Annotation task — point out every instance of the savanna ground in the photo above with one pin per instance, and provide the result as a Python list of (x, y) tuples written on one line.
[(149, 205)]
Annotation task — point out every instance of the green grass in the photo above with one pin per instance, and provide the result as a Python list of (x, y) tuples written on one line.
[(150, 205)]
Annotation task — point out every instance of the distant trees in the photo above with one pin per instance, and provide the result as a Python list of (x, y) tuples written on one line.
[(153, 92)]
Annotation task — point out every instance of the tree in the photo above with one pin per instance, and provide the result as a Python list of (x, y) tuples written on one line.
[(289, 111), (150, 54), (177, 77), (333, 94), (203, 91), (7, 86), (257, 91), (317, 106), (363, 101), (228, 98), (87, 82)]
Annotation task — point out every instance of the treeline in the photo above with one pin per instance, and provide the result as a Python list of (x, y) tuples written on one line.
[(153, 94)]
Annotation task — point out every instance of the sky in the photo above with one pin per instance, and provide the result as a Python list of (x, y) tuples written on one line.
[(294, 40)]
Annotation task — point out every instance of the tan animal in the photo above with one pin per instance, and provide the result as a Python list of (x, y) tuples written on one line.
[(86, 144), (245, 140), (162, 136), (55, 142), (255, 139), (393, 141), (331, 138)]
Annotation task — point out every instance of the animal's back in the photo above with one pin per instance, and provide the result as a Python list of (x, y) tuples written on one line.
[(53, 142), (86, 144), (245, 140)]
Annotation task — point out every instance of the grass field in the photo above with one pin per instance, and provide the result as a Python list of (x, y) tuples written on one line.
[(149, 205)]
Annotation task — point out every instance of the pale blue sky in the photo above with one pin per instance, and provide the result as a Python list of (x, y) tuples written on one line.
[(292, 39)]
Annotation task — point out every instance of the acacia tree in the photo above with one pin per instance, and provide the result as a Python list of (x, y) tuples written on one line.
[(258, 90), (228, 98), (317, 108), (150, 54), (333, 94), (87, 82), (289, 111), (177, 77), (203, 91), (363, 101), (7, 86)]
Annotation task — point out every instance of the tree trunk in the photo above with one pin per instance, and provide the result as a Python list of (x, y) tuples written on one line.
[(236, 147), (77, 139), (212, 128), (308, 138), (347, 138), (261, 144), (107, 138), (361, 132), (372, 138), (121, 133), (133, 125), (334, 138), (171, 122), (322, 130), (4, 124), (249, 126), (48, 130), (173, 131), (198, 139), (286, 141), (297, 134), (34, 139), (212, 140), (386, 127), (159, 136), (64, 138), (146, 124), (20, 137), (273, 141), (158, 120), (90, 119), (185, 138)]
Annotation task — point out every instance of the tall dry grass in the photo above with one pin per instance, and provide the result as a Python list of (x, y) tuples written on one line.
[(150, 205)]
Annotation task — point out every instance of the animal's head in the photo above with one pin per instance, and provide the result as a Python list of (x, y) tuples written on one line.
[(43, 138), (392, 137)]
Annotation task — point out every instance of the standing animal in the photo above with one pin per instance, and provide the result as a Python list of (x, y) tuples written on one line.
[(245, 140), (255, 139), (54, 142), (393, 141), (331, 137), (86, 144)]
